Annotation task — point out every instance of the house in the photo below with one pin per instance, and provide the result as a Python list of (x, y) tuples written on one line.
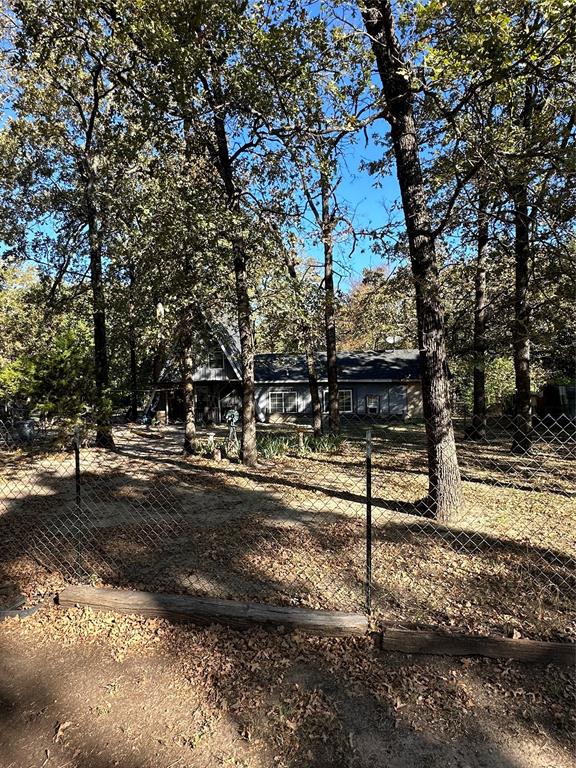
[(372, 385)]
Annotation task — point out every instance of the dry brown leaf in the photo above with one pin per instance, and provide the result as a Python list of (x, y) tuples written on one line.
[(59, 730)]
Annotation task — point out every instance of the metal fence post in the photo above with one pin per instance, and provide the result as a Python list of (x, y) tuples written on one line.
[(77, 469), (78, 504), (368, 521)]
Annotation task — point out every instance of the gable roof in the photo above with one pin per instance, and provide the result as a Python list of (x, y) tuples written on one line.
[(392, 365), (229, 342)]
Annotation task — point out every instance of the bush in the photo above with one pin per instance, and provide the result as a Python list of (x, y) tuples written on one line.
[(58, 382)]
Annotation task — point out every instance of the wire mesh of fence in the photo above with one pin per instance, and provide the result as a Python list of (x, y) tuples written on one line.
[(321, 523), (504, 559)]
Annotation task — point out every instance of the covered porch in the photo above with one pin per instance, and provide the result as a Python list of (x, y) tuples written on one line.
[(212, 402)]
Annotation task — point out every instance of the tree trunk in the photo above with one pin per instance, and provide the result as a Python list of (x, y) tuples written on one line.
[(444, 497), (189, 400), (521, 441), (314, 390), (310, 359), (479, 407), (249, 449), (225, 168), (330, 310), (158, 362), (104, 438), (521, 330)]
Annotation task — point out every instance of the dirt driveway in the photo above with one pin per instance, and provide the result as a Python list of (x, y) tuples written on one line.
[(83, 690)]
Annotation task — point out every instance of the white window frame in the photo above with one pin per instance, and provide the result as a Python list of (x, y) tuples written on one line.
[(340, 392), (282, 393), (345, 392)]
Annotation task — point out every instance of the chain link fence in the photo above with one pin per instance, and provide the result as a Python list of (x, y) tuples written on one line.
[(505, 562), (341, 523)]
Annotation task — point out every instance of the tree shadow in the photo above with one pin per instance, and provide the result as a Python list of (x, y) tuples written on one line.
[(141, 527), (428, 575)]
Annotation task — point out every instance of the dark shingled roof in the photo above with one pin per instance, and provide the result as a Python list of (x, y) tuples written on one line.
[(397, 365)]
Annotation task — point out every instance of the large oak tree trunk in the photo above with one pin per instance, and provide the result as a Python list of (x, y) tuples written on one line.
[(444, 497), (521, 329), (243, 306), (189, 400), (330, 311), (518, 186), (479, 395)]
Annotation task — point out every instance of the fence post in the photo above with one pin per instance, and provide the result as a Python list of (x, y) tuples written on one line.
[(77, 469), (368, 521), (78, 505)]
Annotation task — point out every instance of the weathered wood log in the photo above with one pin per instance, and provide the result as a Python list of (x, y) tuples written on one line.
[(198, 610), (205, 611), (418, 641)]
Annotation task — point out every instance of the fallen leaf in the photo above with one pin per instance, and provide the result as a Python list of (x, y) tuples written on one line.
[(60, 728)]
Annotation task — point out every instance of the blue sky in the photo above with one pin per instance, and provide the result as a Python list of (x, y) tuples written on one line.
[(368, 201)]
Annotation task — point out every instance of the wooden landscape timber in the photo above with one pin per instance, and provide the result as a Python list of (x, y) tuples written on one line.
[(447, 644), (198, 610)]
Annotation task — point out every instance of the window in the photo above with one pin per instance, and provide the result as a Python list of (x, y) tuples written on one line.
[(215, 359), (283, 402), (373, 405), (344, 401)]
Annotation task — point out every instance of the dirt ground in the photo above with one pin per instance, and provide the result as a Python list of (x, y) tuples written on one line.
[(84, 690)]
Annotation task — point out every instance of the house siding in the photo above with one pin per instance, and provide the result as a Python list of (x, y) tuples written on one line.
[(415, 405), (205, 373), (391, 397), (396, 399), (391, 377)]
